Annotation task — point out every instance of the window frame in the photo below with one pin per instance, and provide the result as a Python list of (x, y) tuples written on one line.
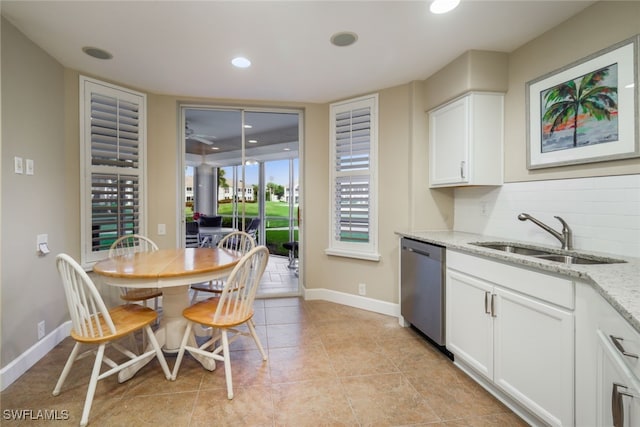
[(360, 250), (89, 86)]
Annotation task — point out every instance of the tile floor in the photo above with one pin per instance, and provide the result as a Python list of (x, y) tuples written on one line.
[(328, 365), (278, 279)]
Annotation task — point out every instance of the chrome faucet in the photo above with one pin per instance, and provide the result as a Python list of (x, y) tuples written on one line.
[(565, 237)]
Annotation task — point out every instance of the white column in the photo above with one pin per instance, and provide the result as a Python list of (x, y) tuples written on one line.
[(205, 191)]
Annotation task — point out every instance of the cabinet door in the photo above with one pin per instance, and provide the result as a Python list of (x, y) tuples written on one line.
[(533, 355), (449, 143), (469, 322), (618, 391)]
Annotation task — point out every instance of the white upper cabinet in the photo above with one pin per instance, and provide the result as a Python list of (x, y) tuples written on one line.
[(466, 141)]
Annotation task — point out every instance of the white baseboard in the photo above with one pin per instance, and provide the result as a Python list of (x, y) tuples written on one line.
[(26, 360), (351, 300)]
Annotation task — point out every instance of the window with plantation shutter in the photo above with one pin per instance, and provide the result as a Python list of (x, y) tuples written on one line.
[(112, 122), (354, 130)]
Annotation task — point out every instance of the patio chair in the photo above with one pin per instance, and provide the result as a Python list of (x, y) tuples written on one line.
[(94, 325), (238, 241), (210, 221), (252, 228), (225, 313), (292, 247), (192, 234)]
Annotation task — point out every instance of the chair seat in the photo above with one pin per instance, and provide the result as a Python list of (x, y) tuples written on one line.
[(215, 287), (203, 312), (141, 294), (126, 319)]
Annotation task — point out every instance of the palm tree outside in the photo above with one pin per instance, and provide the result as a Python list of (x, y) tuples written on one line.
[(577, 106)]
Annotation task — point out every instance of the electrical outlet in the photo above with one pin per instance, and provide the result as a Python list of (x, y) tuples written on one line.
[(362, 289), (41, 330)]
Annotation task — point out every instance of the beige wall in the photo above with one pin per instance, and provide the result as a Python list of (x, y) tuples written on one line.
[(473, 70), (33, 128)]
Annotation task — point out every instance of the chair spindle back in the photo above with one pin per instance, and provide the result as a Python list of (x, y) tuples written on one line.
[(89, 315), (131, 243), (241, 287)]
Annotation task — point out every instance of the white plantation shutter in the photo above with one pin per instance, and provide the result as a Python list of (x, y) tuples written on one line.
[(353, 178), (113, 141)]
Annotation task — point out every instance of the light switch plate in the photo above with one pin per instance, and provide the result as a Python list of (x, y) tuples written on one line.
[(18, 164), (162, 229), (41, 239), (29, 166)]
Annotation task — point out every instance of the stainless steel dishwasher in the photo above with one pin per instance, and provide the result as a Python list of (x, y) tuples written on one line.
[(422, 276)]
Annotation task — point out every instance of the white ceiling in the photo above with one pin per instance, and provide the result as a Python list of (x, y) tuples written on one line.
[(184, 48)]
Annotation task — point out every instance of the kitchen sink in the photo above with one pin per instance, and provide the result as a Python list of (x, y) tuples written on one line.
[(547, 254), (572, 259), (512, 248)]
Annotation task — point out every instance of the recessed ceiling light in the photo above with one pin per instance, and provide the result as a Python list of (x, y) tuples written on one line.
[(443, 6), (97, 52), (344, 38), (215, 148), (248, 126), (287, 149), (241, 62), (253, 141)]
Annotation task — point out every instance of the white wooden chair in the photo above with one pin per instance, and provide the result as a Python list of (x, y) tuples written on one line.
[(237, 241), (128, 244), (94, 325), (225, 313)]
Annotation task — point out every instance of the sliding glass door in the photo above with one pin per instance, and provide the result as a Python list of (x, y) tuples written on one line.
[(243, 165)]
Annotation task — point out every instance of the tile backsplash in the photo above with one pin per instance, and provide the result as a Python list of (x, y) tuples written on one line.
[(603, 212)]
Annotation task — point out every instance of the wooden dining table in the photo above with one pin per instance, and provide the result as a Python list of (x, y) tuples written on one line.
[(172, 271)]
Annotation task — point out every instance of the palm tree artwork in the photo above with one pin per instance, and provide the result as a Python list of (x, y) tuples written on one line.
[(580, 112)]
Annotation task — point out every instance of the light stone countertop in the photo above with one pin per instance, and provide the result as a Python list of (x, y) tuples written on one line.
[(618, 283)]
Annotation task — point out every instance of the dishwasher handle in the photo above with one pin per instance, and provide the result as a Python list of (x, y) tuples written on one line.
[(416, 251), (434, 252)]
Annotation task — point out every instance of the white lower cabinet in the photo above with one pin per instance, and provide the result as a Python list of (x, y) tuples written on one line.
[(607, 364), (618, 390), (515, 328)]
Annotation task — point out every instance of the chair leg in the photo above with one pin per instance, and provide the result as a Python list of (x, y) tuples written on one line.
[(93, 382), (227, 364), (159, 355), (252, 329), (67, 368), (183, 344)]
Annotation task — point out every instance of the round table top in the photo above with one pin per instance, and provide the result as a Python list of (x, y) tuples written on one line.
[(167, 263)]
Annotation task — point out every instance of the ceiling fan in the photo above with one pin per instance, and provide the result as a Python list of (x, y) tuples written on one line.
[(205, 139)]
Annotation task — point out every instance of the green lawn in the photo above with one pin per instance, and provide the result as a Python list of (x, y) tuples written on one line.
[(277, 216), (251, 209)]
